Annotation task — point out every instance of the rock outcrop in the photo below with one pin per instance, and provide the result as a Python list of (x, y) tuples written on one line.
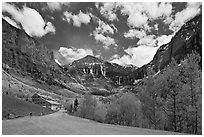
[(185, 41), (29, 57)]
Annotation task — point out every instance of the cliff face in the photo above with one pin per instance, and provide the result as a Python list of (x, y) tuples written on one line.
[(29, 57), (89, 68), (185, 41)]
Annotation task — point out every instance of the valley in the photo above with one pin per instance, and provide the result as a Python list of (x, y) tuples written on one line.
[(164, 94)]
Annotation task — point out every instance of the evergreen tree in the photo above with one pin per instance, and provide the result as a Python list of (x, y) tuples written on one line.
[(193, 89), (151, 102)]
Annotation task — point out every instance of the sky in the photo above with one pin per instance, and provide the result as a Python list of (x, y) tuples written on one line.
[(122, 33)]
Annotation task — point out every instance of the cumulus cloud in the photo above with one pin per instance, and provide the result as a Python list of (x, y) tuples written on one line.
[(56, 6), (106, 40), (137, 56), (10, 21), (163, 39), (156, 27), (104, 28), (156, 10), (191, 10), (102, 32), (153, 41), (108, 10), (148, 40), (31, 21), (134, 33), (67, 16), (140, 13), (68, 55), (77, 19)]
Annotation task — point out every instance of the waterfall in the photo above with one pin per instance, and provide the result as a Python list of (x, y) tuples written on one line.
[(103, 71)]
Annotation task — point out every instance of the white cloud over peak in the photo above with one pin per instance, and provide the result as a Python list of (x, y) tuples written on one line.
[(77, 19), (191, 10), (148, 40), (163, 39), (71, 54), (153, 41), (144, 53), (137, 56), (31, 21)]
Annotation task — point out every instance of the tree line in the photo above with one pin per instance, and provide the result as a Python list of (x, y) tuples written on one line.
[(170, 100)]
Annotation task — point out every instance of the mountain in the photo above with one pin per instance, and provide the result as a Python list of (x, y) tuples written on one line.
[(91, 68), (24, 55), (27, 57), (185, 41), (29, 60)]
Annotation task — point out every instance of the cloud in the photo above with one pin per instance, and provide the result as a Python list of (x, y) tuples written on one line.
[(156, 27), (104, 28), (108, 10), (56, 6), (139, 14), (68, 55), (106, 40), (153, 41), (77, 19), (137, 56), (102, 32), (67, 16), (31, 21), (191, 10), (134, 33), (148, 40), (10, 21), (163, 39), (156, 10)]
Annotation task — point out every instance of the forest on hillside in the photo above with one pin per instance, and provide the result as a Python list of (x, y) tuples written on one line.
[(169, 100)]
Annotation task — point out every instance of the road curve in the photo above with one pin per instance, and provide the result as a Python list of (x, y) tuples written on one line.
[(60, 123)]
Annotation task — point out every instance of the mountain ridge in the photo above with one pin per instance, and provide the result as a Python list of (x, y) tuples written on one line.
[(29, 57)]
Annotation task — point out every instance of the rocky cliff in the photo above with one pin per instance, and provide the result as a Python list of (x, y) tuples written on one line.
[(90, 67), (185, 41), (29, 57)]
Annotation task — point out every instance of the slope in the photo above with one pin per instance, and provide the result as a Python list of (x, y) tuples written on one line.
[(60, 123), (19, 107)]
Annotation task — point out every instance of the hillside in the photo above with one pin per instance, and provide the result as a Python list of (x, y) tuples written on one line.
[(19, 107), (185, 41), (29, 58)]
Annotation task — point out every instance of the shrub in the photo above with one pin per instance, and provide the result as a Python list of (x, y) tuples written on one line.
[(87, 106), (100, 113), (124, 111)]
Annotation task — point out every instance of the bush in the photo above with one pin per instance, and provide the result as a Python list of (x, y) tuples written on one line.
[(100, 113), (124, 111), (87, 106)]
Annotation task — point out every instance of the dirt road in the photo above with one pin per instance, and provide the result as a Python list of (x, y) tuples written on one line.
[(60, 123)]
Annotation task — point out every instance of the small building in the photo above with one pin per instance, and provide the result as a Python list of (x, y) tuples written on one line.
[(37, 99), (54, 105), (40, 100)]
